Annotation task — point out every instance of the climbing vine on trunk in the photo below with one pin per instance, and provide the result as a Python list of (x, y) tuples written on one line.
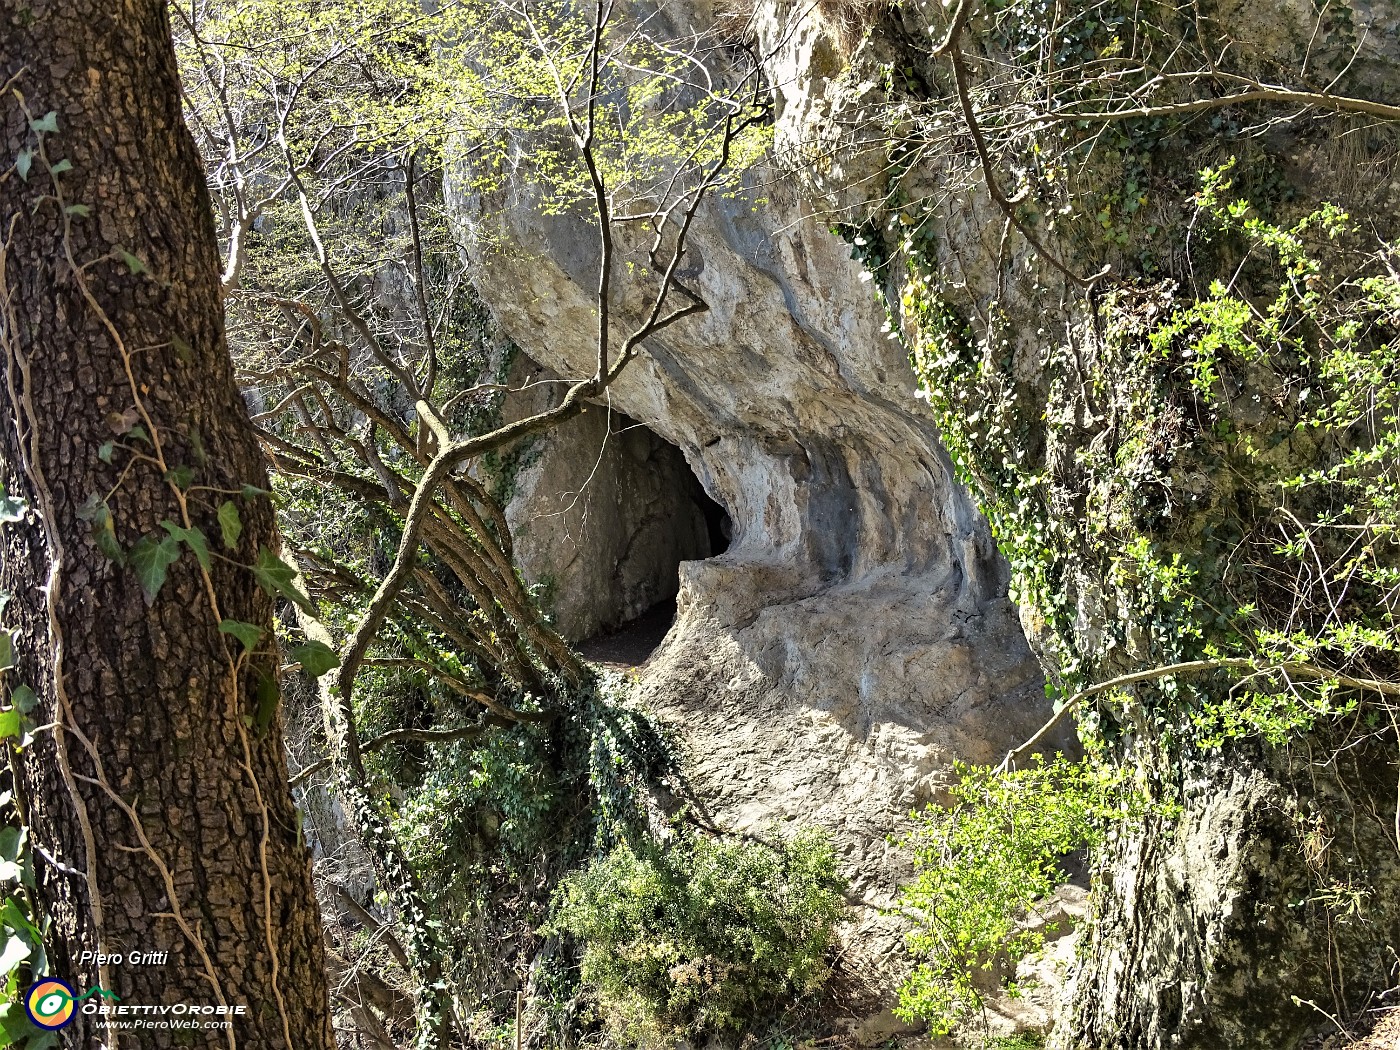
[(151, 774)]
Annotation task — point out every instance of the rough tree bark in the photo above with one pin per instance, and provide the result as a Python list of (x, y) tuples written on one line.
[(155, 788)]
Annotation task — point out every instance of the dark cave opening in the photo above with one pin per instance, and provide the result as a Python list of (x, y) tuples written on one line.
[(718, 523), (681, 522)]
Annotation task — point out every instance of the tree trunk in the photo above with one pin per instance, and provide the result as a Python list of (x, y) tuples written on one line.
[(155, 788)]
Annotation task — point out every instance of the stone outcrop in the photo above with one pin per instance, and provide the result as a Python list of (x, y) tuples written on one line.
[(1269, 888), (855, 637)]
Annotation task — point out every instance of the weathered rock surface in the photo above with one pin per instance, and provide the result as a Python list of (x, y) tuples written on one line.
[(1271, 897)]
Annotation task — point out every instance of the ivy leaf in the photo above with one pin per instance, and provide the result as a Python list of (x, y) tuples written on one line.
[(316, 657), (105, 537), (181, 477), (152, 558), (94, 509), (276, 577), (122, 422), (104, 451), (247, 633), (11, 508), (252, 491), (9, 724), (96, 512), (48, 122), (14, 953), (134, 264), (183, 350), (82, 211), (24, 699), (23, 162), (62, 166), (267, 696), (230, 524), (193, 538)]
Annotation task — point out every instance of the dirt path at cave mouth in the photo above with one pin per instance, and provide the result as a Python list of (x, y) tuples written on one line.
[(632, 644)]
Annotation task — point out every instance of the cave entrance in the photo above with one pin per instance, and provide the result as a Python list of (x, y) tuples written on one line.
[(661, 517)]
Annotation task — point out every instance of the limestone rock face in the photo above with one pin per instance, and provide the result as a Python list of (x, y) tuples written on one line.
[(1274, 890), (855, 637)]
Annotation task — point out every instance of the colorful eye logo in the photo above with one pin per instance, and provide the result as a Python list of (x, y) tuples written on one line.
[(50, 1003)]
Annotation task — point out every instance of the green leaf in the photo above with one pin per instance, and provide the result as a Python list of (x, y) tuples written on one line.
[(181, 477), (11, 842), (316, 657), (133, 264), (48, 122), (7, 650), (11, 508), (230, 524), (23, 162), (62, 166), (104, 451), (82, 211), (152, 558), (276, 577), (252, 492), (192, 538), (13, 917), (39, 961), (107, 543), (24, 699), (14, 1025), (247, 633), (267, 696), (94, 509), (183, 350), (9, 724), (14, 953)]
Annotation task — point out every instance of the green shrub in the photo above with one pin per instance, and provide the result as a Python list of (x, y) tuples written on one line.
[(694, 935), (981, 865)]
